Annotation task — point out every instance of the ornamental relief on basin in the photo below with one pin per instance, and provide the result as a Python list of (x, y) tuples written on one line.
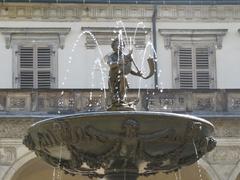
[(123, 142)]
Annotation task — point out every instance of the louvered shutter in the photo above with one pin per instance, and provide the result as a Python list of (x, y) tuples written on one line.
[(26, 63), (35, 67), (202, 68), (43, 67), (185, 64)]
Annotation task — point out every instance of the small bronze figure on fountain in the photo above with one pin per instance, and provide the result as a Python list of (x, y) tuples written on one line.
[(120, 66)]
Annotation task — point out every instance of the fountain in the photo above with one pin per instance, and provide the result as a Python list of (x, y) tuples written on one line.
[(121, 143)]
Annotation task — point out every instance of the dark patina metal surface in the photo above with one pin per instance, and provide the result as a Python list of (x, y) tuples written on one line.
[(113, 143)]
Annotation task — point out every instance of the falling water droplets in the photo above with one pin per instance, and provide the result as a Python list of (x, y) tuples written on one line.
[(54, 174), (57, 172), (90, 95), (176, 176), (198, 166), (179, 174)]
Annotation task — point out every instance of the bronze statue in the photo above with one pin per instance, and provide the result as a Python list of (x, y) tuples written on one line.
[(120, 66)]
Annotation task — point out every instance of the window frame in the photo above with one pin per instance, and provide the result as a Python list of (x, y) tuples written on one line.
[(19, 36), (211, 62), (35, 44), (173, 38)]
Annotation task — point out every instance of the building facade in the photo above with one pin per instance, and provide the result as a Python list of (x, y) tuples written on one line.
[(53, 62)]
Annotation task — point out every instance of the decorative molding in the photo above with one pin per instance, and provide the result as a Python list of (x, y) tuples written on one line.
[(18, 164), (220, 103), (179, 35), (233, 102), (32, 34), (18, 102), (204, 13), (228, 129), (167, 102), (224, 155), (235, 172), (74, 12), (227, 142), (8, 155), (204, 104), (105, 35), (15, 128)]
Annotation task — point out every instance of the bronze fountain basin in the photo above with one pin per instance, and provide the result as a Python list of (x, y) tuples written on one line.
[(111, 144)]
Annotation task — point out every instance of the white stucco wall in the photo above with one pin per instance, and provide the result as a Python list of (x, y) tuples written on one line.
[(79, 73), (5, 65)]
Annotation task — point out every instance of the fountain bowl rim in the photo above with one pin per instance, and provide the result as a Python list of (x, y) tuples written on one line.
[(118, 113)]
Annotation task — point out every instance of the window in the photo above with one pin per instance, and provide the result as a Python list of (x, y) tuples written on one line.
[(35, 55), (36, 67), (193, 56), (195, 66)]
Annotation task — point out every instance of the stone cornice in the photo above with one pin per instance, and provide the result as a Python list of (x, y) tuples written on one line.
[(76, 12), (104, 36), (211, 35), (18, 33)]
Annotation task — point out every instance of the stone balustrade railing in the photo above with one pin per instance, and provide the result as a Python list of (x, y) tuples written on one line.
[(58, 101)]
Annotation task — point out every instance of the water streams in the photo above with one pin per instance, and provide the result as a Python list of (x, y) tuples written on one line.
[(198, 166), (98, 65), (57, 172), (178, 175)]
